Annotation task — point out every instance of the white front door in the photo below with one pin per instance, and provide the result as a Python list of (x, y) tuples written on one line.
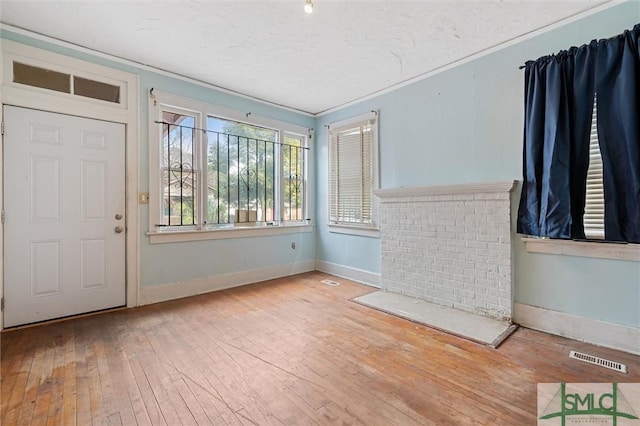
[(64, 203)]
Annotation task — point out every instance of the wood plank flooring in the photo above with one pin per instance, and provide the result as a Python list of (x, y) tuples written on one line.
[(291, 351)]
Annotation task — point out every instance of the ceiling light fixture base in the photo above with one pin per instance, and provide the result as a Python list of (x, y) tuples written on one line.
[(308, 6)]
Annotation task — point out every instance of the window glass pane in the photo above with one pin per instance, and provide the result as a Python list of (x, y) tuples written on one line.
[(180, 190), (40, 77), (96, 90), (177, 136), (293, 173), (178, 162), (236, 128), (241, 173)]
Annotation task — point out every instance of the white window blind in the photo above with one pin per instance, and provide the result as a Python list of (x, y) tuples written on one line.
[(351, 174), (594, 206)]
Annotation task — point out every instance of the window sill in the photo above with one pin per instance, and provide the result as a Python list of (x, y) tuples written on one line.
[(601, 250), (355, 230), (227, 233)]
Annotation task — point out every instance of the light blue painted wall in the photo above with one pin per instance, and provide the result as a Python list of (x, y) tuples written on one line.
[(606, 290), (464, 125), (176, 262)]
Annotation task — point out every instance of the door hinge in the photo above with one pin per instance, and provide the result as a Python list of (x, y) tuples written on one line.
[(2, 304), (2, 128), (2, 217)]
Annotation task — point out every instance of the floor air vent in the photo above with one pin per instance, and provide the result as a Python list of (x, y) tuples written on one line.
[(598, 361), (330, 282)]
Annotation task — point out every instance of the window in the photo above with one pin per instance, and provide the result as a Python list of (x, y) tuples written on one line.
[(593, 215), (179, 173), (216, 169), (594, 202), (293, 168), (34, 76), (96, 89), (241, 169), (554, 121), (353, 172), (41, 77)]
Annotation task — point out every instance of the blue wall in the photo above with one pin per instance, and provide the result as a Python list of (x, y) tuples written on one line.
[(464, 125), (178, 262)]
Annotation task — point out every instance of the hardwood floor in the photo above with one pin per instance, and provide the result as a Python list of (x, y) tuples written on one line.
[(291, 351)]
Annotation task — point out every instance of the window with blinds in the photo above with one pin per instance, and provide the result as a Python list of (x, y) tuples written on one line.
[(594, 206), (351, 174)]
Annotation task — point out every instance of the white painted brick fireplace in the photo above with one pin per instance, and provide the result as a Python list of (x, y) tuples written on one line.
[(449, 245)]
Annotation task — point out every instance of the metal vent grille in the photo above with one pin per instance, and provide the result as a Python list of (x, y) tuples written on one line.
[(598, 361), (330, 282)]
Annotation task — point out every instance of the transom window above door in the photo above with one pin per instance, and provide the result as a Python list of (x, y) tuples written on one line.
[(65, 82)]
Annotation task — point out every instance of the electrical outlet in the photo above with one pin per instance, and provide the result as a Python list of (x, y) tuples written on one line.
[(144, 198), (293, 246)]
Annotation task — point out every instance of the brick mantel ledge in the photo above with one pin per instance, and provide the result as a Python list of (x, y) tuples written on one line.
[(392, 194)]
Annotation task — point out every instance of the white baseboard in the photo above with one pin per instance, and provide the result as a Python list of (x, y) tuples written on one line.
[(601, 333), (353, 274), (182, 289)]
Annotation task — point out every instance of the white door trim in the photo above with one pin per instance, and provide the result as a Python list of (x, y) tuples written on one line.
[(127, 113)]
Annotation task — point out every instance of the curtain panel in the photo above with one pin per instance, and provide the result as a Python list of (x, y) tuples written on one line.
[(559, 95)]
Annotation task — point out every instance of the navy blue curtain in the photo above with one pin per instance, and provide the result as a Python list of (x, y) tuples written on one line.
[(618, 88), (559, 93)]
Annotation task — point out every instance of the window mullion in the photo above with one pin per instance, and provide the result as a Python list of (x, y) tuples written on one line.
[(363, 166), (202, 142), (279, 201)]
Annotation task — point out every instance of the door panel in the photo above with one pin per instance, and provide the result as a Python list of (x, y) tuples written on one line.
[(64, 184), (94, 263), (45, 261), (94, 190), (45, 189)]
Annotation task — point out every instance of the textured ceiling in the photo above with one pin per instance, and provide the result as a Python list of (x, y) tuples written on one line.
[(272, 50)]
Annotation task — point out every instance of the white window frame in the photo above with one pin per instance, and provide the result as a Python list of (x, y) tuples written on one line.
[(595, 249), (163, 101), (365, 230), (91, 73), (197, 168)]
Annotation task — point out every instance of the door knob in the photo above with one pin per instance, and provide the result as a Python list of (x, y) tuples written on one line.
[(119, 229), (118, 216)]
